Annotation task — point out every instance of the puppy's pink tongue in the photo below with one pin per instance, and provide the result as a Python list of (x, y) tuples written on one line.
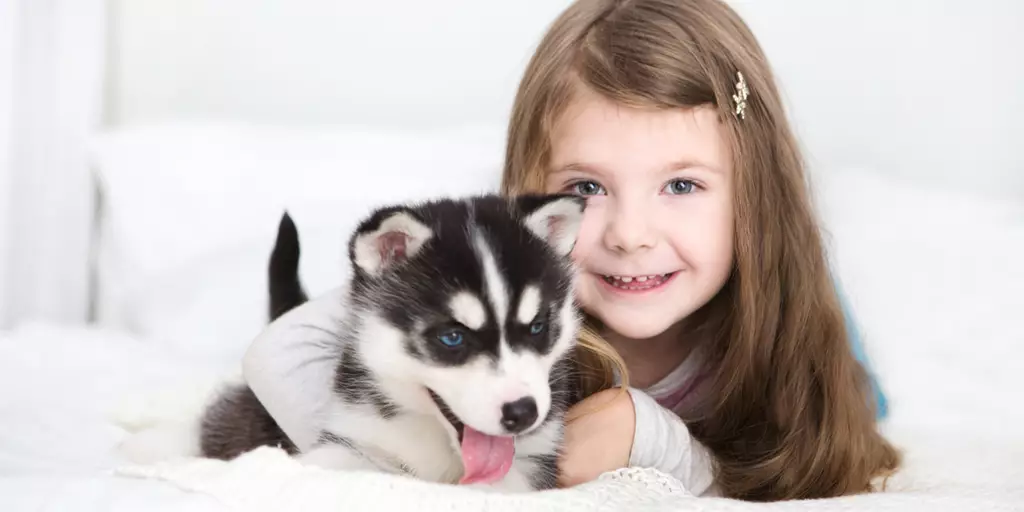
[(486, 458)]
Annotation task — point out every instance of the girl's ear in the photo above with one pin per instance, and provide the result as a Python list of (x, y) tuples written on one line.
[(388, 237), (555, 218)]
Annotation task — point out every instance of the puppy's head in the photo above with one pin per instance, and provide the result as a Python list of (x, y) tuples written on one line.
[(473, 301)]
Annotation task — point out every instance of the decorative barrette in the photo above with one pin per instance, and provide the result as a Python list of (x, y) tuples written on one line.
[(742, 92)]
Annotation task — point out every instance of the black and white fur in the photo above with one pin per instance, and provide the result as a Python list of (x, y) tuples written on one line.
[(491, 271)]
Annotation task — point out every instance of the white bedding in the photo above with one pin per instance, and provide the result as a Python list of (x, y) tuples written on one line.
[(65, 389), (933, 276)]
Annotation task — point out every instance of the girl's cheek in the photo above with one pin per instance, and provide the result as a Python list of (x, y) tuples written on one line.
[(589, 235), (576, 256), (581, 249), (707, 234)]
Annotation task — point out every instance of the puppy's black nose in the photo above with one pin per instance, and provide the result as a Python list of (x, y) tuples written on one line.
[(519, 415)]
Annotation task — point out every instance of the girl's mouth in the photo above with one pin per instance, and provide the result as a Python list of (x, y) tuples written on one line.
[(638, 283)]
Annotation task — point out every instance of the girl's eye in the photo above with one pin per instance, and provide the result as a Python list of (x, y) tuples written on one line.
[(451, 338), (587, 188), (679, 187)]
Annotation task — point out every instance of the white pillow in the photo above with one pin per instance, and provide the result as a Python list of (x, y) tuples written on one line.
[(190, 212)]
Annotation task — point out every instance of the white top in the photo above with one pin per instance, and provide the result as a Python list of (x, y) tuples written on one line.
[(285, 367), (661, 440), (297, 399)]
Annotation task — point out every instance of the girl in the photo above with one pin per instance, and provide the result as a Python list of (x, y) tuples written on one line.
[(715, 346), (705, 284)]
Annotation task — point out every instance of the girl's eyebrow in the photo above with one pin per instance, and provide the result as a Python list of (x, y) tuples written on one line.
[(678, 165), (682, 165), (577, 167)]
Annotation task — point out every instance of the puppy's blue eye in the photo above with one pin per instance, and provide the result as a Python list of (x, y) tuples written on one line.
[(451, 339), (536, 328)]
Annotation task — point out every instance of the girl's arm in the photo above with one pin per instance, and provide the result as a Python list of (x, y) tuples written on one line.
[(290, 367), (612, 429), (662, 441)]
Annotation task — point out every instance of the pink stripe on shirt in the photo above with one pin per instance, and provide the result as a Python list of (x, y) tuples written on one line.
[(674, 400)]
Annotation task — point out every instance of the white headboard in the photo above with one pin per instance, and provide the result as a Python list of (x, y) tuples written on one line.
[(405, 62), (931, 90)]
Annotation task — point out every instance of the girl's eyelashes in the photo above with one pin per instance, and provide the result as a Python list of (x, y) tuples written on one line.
[(586, 188), (676, 187), (680, 187)]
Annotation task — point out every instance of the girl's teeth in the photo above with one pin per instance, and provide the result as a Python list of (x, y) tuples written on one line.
[(637, 283)]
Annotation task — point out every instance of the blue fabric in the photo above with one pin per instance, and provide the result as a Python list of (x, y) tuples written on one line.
[(857, 345)]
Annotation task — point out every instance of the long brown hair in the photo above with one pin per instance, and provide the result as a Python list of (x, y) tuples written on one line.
[(789, 413)]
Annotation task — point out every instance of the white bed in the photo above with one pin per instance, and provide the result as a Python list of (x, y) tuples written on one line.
[(927, 244), (58, 443), (175, 319)]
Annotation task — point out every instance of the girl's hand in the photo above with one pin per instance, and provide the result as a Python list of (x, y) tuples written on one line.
[(598, 437)]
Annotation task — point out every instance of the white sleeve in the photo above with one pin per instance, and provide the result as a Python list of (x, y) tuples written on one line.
[(662, 441), (290, 367)]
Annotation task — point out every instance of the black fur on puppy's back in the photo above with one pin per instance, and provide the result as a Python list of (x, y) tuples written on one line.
[(237, 422)]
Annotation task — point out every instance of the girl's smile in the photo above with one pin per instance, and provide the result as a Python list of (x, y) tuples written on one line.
[(634, 285)]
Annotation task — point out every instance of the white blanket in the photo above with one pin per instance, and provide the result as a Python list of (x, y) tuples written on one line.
[(268, 479), (65, 391)]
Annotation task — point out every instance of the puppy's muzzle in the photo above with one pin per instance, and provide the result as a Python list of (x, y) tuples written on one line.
[(519, 415)]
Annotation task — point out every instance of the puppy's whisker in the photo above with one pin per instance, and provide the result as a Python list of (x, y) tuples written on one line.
[(304, 364), (319, 346), (332, 334)]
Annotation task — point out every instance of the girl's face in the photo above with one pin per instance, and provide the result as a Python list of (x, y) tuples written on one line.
[(657, 237)]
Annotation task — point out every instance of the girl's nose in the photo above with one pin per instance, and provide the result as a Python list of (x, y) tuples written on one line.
[(629, 229)]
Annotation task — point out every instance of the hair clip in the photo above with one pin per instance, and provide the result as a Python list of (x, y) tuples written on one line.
[(742, 92)]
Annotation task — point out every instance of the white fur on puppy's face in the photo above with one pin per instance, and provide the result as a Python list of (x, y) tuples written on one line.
[(477, 390), (484, 314), (468, 310)]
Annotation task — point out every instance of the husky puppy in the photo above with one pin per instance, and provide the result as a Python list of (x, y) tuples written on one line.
[(451, 346)]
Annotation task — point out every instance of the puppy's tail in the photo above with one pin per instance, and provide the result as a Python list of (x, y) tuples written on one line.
[(286, 291)]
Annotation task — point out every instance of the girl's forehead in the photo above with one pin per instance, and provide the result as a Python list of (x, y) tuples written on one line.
[(595, 134)]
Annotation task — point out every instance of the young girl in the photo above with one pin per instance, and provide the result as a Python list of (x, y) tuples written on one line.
[(715, 346), (705, 283)]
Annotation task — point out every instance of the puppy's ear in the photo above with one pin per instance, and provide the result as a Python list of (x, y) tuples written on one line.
[(389, 236), (554, 218)]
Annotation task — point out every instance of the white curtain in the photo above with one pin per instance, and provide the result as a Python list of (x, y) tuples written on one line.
[(6, 97), (51, 92)]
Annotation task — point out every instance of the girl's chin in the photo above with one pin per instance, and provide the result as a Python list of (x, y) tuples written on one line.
[(632, 326)]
